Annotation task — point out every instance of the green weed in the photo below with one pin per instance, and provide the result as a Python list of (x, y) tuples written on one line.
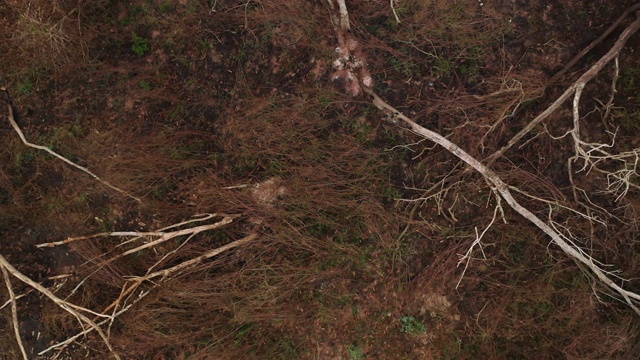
[(390, 194), (26, 86), (443, 67), (411, 325), (140, 45), (145, 85), (242, 332), (355, 352), (135, 14), (406, 67), (166, 7), (244, 163), (84, 198), (24, 158), (629, 120), (286, 349)]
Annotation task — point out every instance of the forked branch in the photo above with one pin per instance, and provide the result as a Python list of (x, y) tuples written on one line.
[(502, 188), (70, 308), (579, 84)]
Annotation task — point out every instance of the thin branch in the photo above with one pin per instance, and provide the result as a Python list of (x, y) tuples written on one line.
[(15, 126), (8, 302), (345, 24), (164, 236), (189, 263), (392, 4), (61, 345), (14, 312), (138, 280), (467, 255)]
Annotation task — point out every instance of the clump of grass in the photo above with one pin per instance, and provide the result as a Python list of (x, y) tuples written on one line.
[(411, 325), (43, 36), (355, 352), (140, 45)]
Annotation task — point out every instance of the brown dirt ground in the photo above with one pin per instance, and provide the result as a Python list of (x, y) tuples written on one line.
[(225, 93)]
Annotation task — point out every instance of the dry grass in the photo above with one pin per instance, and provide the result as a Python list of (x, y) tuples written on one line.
[(330, 207), (44, 35), (332, 271)]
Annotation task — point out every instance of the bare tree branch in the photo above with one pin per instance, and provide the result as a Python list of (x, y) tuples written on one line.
[(579, 84), (14, 312), (70, 308), (502, 188)]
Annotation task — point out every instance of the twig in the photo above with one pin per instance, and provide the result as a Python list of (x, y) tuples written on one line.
[(164, 236), (392, 4), (503, 189), (14, 312), (8, 302), (345, 24), (467, 255), (340, 22), (15, 126), (138, 280), (70, 308), (189, 263)]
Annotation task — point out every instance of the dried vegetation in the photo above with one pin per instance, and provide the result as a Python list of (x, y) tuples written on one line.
[(353, 226)]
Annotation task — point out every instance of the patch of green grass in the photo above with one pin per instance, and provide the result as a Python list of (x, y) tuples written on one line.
[(286, 349), (355, 352), (390, 194), (470, 70), (140, 45), (443, 67), (408, 68), (24, 158), (629, 78), (242, 332), (276, 166), (78, 130), (83, 197), (164, 190), (411, 325), (26, 86), (146, 85), (135, 13), (55, 204), (165, 7), (244, 163)]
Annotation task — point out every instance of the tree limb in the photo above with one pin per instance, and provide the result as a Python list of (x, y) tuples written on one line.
[(503, 189)]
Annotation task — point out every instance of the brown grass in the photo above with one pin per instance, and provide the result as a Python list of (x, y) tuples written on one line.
[(44, 35), (226, 100)]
